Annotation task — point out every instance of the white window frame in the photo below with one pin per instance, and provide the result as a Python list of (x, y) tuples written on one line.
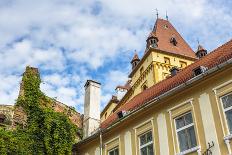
[(149, 143), (113, 149), (224, 112), (183, 128)]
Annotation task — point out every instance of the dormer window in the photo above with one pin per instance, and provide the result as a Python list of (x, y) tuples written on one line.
[(153, 42), (199, 70), (173, 41)]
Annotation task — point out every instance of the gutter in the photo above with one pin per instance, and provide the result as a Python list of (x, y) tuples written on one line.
[(162, 96)]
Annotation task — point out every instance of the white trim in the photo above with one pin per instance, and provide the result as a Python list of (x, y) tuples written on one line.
[(141, 124), (194, 149), (195, 123), (220, 86), (227, 141), (224, 111), (162, 134), (153, 136), (136, 142), (181, 104), (220, 113), (149, 143), (185, 127), (174, 144)]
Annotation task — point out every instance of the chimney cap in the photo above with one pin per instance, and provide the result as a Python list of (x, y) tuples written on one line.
[(91, 81)]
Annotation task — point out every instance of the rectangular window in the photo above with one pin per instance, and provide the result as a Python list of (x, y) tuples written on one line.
[(183, 64), (227, 105), (141, 70), (185, 132), (166, 60), (146, 144), (114, 151)]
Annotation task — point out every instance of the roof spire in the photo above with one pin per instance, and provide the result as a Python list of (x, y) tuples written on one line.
[(157, 13), (198, 42), (166, 14)]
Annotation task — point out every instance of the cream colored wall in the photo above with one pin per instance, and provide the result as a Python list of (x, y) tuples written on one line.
[(202, 100)]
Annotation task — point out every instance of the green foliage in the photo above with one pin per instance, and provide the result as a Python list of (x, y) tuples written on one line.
[(47, 132)]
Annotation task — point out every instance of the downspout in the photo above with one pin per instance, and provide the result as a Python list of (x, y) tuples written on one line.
[(100, 134)]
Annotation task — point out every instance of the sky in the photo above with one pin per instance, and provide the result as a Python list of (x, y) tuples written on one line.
[(71, 41)]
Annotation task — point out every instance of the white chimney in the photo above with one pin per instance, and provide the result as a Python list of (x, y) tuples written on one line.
[(91, 120)]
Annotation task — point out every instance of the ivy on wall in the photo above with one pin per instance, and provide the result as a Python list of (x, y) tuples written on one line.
[(46, 131)]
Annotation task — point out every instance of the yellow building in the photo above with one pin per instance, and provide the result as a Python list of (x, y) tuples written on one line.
[(187, 112)]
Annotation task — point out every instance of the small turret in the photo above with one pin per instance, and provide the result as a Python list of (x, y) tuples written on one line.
[(201, 52), (152, 40), (135, 60)]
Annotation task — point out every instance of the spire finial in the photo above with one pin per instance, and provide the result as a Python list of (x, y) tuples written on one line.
[(157, 13), (198, 42), (166, 14)]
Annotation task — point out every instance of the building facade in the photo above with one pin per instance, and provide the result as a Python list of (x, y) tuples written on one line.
[(187, 111)]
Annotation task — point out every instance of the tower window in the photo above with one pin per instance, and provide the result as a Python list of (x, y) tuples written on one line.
[(105, 115), (144, 86), (173, 41), (141, 70), (166, 60), (183, 64), (153, 43)]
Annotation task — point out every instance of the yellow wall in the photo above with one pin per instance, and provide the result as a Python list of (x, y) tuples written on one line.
[(202, 100), (155, 70), (108, 111)]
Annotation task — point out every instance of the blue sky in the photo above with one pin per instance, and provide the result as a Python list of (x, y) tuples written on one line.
[(71, 41)]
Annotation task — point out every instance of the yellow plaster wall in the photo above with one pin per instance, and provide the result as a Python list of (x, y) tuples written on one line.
[(159, 70)]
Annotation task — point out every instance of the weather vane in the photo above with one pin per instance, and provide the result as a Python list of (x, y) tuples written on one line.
[(198, 42), (166, 14), (157, 13)]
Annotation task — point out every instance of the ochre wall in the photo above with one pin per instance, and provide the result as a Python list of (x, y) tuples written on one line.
[(201, 99)]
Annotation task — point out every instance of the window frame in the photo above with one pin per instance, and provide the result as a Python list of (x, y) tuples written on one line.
[(183, 128), (147, 144), (113, 149), (224, 112), (167, 59)]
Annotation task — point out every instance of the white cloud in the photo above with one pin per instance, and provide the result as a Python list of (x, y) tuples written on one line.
[(72, 41)]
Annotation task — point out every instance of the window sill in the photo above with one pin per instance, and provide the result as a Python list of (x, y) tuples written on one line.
[(194, 149)]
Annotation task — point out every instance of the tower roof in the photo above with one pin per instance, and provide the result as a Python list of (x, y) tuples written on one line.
[(166, 33), (136, 57), (200, 48)]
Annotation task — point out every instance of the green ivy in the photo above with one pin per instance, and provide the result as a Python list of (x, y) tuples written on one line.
[(47, 132)]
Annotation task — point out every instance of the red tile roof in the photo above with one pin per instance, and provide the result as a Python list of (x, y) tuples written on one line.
[(216, 57), (164, 31)]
